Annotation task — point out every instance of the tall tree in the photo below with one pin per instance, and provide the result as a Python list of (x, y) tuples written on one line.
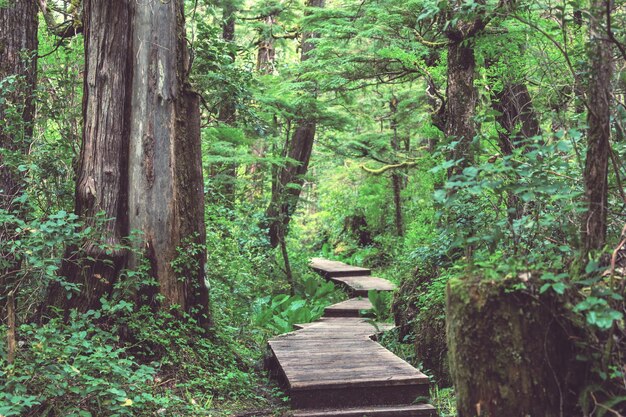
[(166, 197), (599, 132), (140, 162), (461, 96), (228, 111), (288, 181), (265, 64), (396, 178), (102, 178), (518, 121), (266, 53), (18, 74)]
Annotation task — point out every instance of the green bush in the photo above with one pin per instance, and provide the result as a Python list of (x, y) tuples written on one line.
[(75, 369)]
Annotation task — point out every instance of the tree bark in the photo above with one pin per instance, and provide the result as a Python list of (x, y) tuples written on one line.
[(227, 112), (290, 179), (266, 56), (18, 59), (598, 120), (266, 53), (102, 180), (141, 156), (511, 352), (461, 98), (518, 121), (166, 198), (396, 179), (517, 116)]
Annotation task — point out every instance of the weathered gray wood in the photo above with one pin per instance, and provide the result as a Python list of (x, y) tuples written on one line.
[(328, 268), (359, 286), (416, 410), (338, 354), (349, 308), (335, 363)]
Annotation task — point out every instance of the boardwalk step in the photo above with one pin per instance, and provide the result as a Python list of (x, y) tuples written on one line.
[(329, 269), (334, 363), (416, 410), (359, 286), (348, 308), (333, 367), (357, 396)]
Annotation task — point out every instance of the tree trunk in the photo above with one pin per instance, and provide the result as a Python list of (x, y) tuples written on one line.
[(396, 178), (18, 59), (598, 120), (517, 116), (290, 179), (461, 99), (266, 53), (518, 121), (102, 180), (141, 156), (511, 352), (227, 112), (166, 198)]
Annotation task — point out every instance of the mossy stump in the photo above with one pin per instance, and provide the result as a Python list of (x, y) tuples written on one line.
[(510, 352)]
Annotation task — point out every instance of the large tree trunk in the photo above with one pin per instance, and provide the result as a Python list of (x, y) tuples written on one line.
[(166, 199), (141, 156), (290, 179), (598, 120), (511, 352), (102, 185), (18, 58)]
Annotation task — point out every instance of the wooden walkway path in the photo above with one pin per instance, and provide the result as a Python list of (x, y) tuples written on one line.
[(333, 367)]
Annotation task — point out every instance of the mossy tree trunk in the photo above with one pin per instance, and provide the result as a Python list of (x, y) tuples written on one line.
[(510, 354)]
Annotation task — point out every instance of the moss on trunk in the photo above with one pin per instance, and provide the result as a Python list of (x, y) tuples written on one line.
[(511, 351)]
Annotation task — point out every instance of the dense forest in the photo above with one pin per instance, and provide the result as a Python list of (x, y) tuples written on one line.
[(168, 168)]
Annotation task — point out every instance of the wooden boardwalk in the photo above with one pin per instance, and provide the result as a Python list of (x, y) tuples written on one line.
[(333, 367)]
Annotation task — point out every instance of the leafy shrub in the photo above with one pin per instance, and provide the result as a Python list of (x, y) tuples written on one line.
[(75, 369)]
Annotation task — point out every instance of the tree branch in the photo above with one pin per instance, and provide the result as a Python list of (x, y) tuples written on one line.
[(382, 170)]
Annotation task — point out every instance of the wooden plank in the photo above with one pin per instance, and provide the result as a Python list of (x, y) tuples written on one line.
[(335, 361), (414, 410), (328, 268), (352, 396), (360, 285), (348, 308), (361, 382)]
